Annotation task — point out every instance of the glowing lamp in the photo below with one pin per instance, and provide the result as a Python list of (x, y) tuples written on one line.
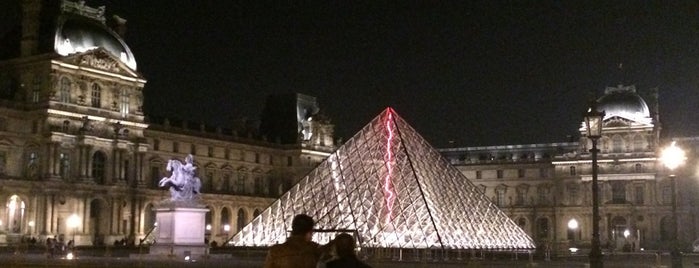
[(672, 156), (573, 224), (593, 122)]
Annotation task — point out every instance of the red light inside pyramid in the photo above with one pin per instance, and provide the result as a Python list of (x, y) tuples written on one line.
[(389, 193)]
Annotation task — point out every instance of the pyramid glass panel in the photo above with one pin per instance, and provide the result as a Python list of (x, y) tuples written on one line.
[(390, 188)]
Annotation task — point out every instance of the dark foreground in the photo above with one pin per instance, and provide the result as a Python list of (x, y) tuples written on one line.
[(255, 259)]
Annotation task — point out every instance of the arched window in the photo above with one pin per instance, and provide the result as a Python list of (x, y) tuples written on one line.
[(572, 171), (242, 219), (225, 220), (98, 167), (64, 93), (207, 220), (638, 168), (96, 96), (15, 214), (542, 228), (522, 222), (256, 213)]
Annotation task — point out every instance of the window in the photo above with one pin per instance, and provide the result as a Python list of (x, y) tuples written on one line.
[(15, 214), (242, 219), (618, 192), (225, 220), (520, 173), (666, 228), (257, 158), (192, 149), (479, 174), (227, 153), (156, 144), (572, 171), (542, 228), (638, 168), (36, 89), (240, 183), (64, 165), (98, 162), (500, 197), (66, 126), (3, 162), (96, 96), (124, 102), (522, 222), (155, 176), (521, 193), (500, 173), (175, 147), (259, 182), (638, 144), (543, 173), (638, 196), (667, 195), (209, 180), (544, 195), (226, 181), (289, 161), (210, 151), (573, 194), (64, 93), (617, 144)]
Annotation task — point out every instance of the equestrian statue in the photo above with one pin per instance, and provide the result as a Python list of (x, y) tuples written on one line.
[(184, 185)]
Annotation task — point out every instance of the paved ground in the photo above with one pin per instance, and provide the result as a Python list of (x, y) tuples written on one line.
[(132, 258), (40, 260)]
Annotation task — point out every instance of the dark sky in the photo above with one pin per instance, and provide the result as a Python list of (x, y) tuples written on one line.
[(485, 73)]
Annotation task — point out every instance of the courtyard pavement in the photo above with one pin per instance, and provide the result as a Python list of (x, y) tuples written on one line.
[(33, 259)]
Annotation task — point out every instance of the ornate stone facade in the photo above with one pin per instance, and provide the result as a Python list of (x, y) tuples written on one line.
[(546, 188), (74, 141)]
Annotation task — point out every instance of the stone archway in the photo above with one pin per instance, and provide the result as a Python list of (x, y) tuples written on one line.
[(99, 221)]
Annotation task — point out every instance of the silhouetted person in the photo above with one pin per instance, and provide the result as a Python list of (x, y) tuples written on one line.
[(298, 251), (344, 246)]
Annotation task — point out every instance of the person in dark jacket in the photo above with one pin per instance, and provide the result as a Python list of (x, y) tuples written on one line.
[(344, 247), (298, 251)]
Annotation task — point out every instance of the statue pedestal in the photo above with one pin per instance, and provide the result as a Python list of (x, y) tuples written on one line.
[(181, 230)]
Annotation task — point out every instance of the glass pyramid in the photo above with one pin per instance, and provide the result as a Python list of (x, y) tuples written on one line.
[(390, 188)]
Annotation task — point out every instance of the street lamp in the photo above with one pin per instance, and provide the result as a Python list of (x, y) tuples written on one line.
[(673, 157), (73, 222), (593, 125)]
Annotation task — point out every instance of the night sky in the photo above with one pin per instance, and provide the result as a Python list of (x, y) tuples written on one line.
[(487, 73)]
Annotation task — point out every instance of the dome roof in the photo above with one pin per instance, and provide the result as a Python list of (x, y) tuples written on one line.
[(76, 34), (624, 102)]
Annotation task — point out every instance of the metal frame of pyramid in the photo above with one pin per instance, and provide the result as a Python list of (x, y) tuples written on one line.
[(390, 188)]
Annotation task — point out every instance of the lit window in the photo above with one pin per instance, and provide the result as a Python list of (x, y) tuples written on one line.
[(64, 94), (96, 96), (124, 103)]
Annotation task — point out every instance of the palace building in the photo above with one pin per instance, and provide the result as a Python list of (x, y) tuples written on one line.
[(75, 144), (546, 188)]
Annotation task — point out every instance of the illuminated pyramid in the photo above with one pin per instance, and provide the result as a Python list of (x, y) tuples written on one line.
[(390, 188)]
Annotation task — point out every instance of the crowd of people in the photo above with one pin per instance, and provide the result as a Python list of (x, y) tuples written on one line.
[(300, 251)]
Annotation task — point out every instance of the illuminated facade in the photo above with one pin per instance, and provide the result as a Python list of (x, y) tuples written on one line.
[(74, 142), (546, 188), (392, 189)]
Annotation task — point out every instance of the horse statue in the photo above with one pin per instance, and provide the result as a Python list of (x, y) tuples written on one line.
[(182, 182)]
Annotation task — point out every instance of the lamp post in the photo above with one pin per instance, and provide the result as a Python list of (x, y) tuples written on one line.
[(673, 157), (593, 125)]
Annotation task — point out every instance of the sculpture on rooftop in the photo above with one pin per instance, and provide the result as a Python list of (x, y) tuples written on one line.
[(184, 185)]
